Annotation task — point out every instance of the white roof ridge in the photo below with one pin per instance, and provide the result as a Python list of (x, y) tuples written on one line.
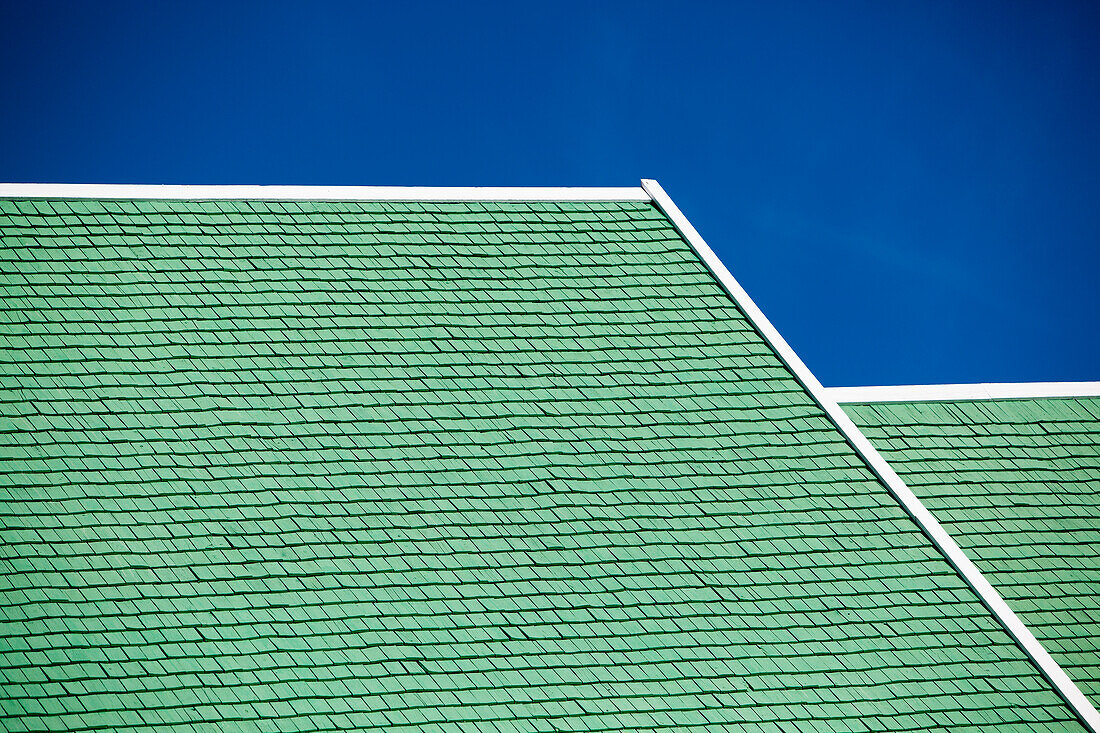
[(963, 392), (188, 192), (944, 542)]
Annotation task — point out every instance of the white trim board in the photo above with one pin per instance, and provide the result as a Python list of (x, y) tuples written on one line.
[(318, 193), (953, 392), (1049, 668)]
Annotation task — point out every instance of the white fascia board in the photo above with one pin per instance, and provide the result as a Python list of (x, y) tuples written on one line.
[(1050, 669), (317, 193), (953, 392)]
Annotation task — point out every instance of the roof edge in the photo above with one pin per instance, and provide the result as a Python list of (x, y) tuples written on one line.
[(963, 392), (931, 527), (319, 193)]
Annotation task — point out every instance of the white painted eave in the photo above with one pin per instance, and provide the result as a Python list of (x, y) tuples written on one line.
[(931, 527), (960, 392), (650, 190), (319, 193)]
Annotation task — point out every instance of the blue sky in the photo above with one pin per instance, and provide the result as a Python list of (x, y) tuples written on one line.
[(910, 191)]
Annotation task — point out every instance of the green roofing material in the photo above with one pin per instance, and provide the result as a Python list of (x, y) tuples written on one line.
[(1017, 483), (476, 466)]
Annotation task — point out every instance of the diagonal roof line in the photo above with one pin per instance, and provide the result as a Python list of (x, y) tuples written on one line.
[(319, 193), (969, 572), (950, 392)]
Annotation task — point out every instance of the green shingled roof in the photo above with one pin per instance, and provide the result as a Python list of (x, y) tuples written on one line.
[(309, 466), (1017, 483)]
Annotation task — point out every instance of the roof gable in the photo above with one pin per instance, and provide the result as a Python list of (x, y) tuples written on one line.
[(444, 466)]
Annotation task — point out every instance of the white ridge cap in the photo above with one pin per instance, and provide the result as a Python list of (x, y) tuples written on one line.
[(319, 193), (967, 570), (951, 392)]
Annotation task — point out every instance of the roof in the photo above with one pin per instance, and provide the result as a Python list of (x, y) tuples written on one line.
[(444, 465), (1016, 482)]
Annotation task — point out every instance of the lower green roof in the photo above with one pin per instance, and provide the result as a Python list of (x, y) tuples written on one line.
[(307, 466), (1017, 483)]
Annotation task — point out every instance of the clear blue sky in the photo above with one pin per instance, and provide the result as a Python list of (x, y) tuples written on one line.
[(910, 191)]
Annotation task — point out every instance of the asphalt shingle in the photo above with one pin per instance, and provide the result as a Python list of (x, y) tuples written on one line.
[(470, 466), (1017, 483)]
